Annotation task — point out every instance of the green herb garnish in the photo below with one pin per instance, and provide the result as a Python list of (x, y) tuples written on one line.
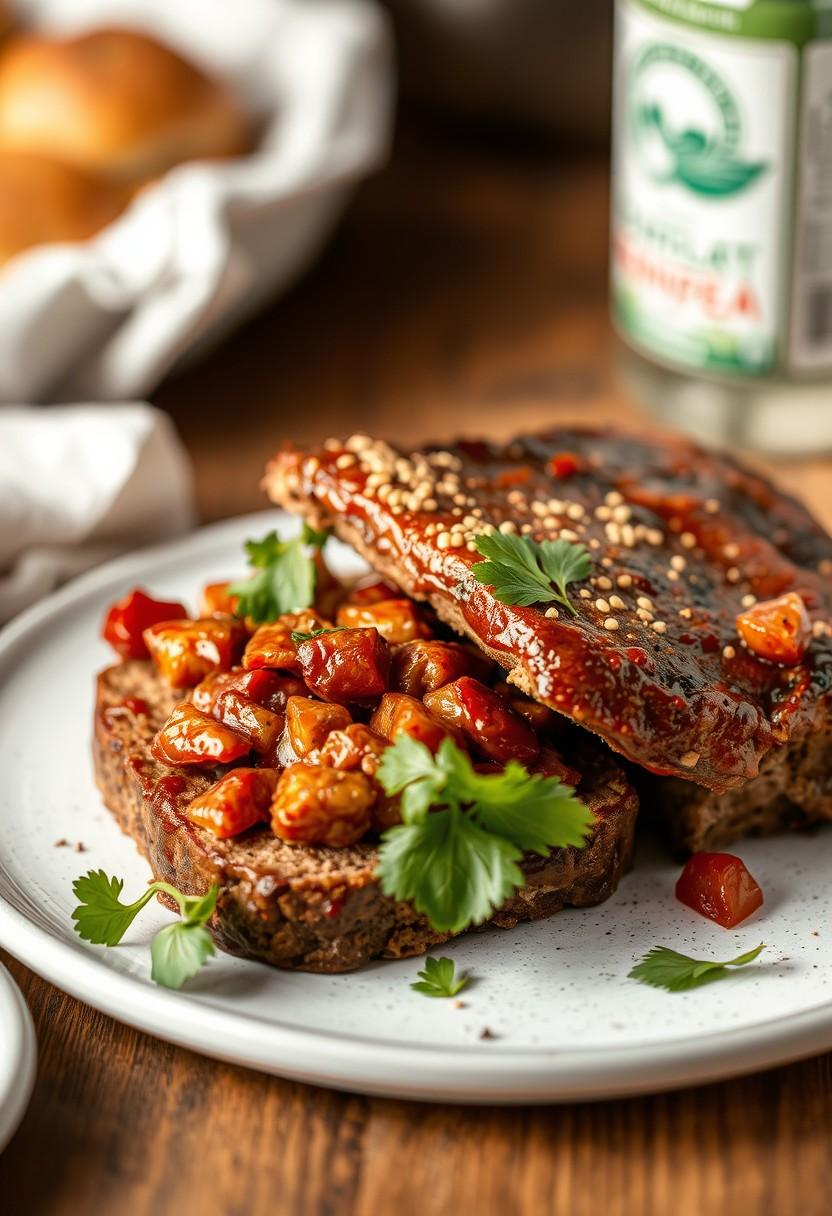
[(177, 951), (523, 571), (456, 855), (285, 576), (299, 636), (439, 978), (662, 967)]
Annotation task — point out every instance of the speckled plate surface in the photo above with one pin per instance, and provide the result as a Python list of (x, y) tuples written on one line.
[(564, 1020)]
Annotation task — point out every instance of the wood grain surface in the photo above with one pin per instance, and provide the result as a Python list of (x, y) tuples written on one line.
[(464, 292)]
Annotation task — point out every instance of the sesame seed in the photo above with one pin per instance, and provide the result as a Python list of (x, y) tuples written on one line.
[(678, 562), (575, 511), (728, 652), (624, 580), (820, 629), (606, 562), (644, 601), (688, 540), (550, 522), (344, 461), (556, 506), (689, 760), (621, 514), (611, 624), (568, 534), (617, 602), (507, 526), (604, 583), (731, 551), (654, 536), (443, 540), (552, 613), (644, 615), (584, 594), (712, 505), (748, 600), (457, 540), (539, 508), (471, 546), (659, 626), (686, 613), (628, 535), (429, 504), (673, 576), (613, 533), (603, 514), (602, 605), (613, 498), (732, 574)]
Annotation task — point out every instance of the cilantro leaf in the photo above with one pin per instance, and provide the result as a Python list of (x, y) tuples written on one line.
[(452, 871), (177, 951), (525, 572), (456, 854), (439, 978), (284, 578), (662, 967), (299, 636)]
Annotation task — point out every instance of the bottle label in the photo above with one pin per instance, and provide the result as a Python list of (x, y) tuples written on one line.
[(703, 193), (811, 327)]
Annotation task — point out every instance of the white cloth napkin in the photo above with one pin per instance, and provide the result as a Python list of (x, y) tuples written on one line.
[(79, 484), (202, 248)]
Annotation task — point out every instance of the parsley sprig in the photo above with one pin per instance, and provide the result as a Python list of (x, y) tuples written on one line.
[(456, 854), (439, 978), (284, 578), (177, 951), (662, 967), (525, 572)]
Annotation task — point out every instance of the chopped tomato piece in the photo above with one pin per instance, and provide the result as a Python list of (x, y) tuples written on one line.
[(254, 722), (217, 598), (309, 722), (486, 718), (354, 747), (321, 806), (397, 712), (777, 630), (186, 651), (564, 464), (421, 667), (191, 737), (719, 886), (238, 801), (268, 688), (272, 646), (396, 620), (126, 621), (346, 665)]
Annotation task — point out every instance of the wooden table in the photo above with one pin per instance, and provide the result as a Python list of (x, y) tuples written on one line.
[(465, 292)]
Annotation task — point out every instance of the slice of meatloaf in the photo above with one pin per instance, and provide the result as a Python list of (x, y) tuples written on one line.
[(682, 541), (317, 909)]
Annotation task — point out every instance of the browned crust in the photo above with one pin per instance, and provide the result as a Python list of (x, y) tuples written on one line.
[(318, 909)]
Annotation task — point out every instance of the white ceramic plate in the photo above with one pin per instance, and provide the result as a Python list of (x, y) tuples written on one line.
[(566, 1022), (18, 1056)]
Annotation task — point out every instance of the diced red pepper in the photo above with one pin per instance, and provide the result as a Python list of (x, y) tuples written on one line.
[(485, 718), (421, 667), (346, 665), (216, 597), (719, 886), (321, 806), (254, 722), (397, 712), (272, 646), (126, 621), (191, 737), (309, 722), (564, 464), (238, 801), (185, 652), (268, 688), (777, 630), (396, 620)]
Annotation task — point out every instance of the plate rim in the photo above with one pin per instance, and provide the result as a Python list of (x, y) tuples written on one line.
[(15, 1100), (427, 1073)]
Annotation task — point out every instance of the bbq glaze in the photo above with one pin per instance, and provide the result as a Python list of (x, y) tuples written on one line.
[(682, 543)]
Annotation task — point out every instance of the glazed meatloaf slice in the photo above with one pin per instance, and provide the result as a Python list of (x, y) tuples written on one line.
[(681, 541), (317, 908)]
